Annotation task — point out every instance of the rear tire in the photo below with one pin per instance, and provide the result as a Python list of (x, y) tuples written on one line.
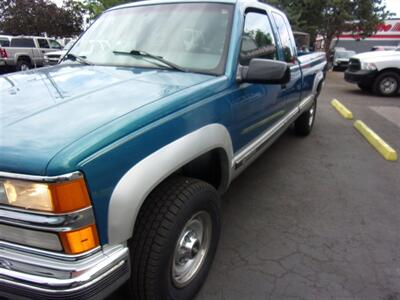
[(387, 84), (23, 65), (175, 239), (305, 123)]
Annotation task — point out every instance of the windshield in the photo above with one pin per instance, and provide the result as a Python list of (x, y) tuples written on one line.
[(193, 36)]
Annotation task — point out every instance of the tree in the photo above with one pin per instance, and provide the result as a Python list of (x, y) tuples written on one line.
[(35, 17), (330, 18), (96, 7)]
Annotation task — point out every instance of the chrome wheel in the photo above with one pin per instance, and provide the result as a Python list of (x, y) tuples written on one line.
[(24, 67), (388, 85), (191, 249), (311, 115)]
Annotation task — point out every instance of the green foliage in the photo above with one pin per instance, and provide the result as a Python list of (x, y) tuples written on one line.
[(330, 18), (35, 17), (96, 7), (262, 39)]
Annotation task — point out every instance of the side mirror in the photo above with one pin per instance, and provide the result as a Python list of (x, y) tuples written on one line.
[(265, 71)]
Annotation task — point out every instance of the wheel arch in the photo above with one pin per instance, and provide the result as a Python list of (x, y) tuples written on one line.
[(318, 82), (25, 58), (395, 70), (184, 156)]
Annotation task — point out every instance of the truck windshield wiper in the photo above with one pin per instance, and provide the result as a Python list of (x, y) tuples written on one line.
[(77, 58), (145, 54)]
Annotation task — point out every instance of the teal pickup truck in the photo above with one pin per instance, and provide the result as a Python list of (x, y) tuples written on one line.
[(112, 162)]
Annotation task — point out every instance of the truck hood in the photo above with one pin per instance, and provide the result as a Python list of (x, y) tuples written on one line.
[(44, 110), (374, 55)]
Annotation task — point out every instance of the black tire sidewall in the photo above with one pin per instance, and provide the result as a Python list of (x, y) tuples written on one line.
[(364, 87), (381, 77), (302, 125), (21, 63), (202, 201)]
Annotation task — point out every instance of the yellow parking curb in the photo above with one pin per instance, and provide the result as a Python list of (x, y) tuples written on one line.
[(380, 145), (347, 114)]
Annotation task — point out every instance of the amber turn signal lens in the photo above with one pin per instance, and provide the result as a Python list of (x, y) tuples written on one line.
[(78, 241), (69, 196)]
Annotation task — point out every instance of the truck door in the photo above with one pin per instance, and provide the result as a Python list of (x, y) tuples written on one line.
[(288, 54), (256, 107), (44, 47)]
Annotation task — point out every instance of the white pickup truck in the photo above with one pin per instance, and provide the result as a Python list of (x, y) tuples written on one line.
[(26, 52), (376, 72)]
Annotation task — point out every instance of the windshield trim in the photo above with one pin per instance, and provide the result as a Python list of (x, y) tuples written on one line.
[(220, 69)]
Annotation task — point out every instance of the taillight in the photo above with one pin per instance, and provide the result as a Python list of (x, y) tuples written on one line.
[(3, 53)]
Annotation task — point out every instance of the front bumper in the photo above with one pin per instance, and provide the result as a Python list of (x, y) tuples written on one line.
[(360, 76), (36, 274), (51, 61), (341, 64)]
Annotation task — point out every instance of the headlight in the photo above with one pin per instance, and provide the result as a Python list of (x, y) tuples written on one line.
[(57, 199), (51, 197), (368, 66)]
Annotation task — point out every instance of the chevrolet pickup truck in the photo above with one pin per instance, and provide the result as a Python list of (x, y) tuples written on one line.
[(113, 162), (26, 52), (377, 72)]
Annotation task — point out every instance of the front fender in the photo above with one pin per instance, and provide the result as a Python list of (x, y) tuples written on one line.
[(136, 184)]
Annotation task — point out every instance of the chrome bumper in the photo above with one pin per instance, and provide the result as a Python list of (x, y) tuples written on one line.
[(27, 274)]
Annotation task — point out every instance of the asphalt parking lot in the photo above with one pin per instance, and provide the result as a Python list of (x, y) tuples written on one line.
[(315, 218)]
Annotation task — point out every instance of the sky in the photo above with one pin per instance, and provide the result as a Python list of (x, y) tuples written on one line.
[(392, 5)]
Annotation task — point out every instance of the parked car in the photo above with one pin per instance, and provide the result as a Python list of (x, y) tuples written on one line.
[(383, 48), (52, 58), (341, 59), (379, 74), (113, 161), (26, 52), (5, 40)]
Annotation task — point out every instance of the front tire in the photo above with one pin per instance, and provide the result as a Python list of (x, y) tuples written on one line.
[(175, 239), (305, 123), (364, 87), (23, 65), (387, 84)]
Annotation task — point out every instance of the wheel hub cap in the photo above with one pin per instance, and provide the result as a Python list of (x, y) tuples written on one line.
[(388, 85), (311, 115), (191, 249)]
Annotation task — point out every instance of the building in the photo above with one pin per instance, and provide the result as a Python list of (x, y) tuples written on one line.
[(388, 34)]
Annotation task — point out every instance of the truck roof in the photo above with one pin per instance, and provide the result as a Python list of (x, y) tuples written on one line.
[(151, 2)]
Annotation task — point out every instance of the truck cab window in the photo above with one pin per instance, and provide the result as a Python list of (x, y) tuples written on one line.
[(288, 45), (43, 43), (54, 44), (4, 42), (23, 43), (257, 38)]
